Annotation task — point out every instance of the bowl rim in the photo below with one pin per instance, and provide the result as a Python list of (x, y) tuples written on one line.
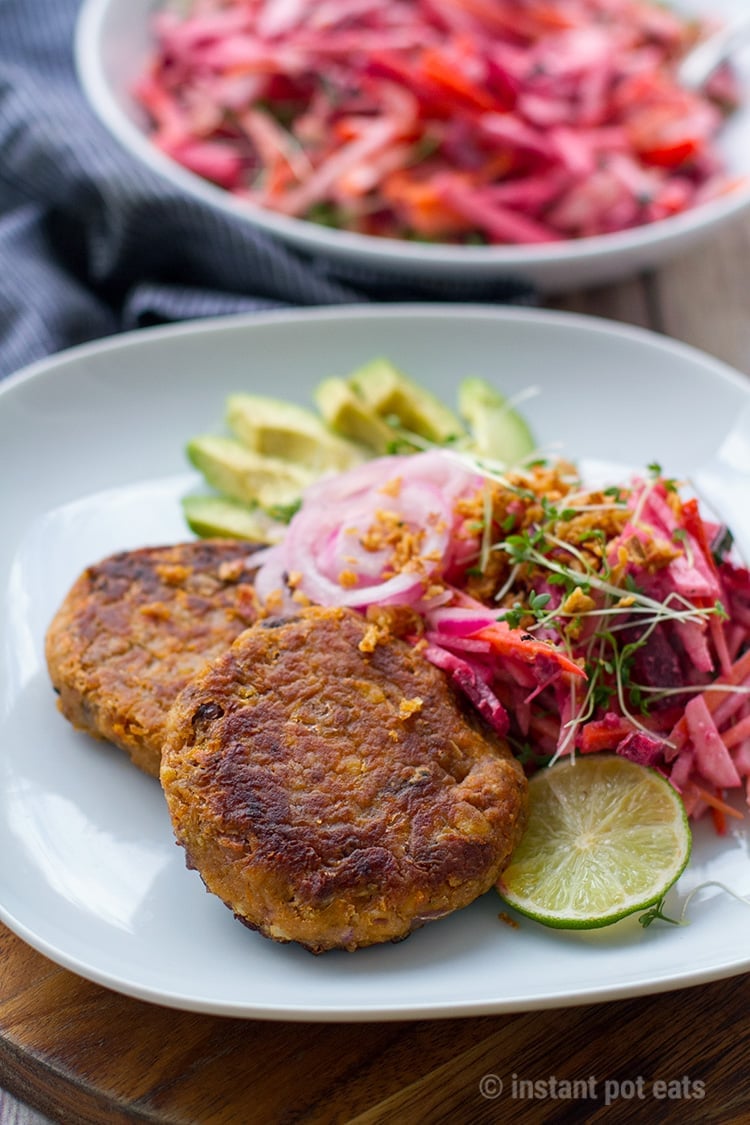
[(367, 249)]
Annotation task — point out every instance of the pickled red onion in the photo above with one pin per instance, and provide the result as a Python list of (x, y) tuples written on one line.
[(331, 547)]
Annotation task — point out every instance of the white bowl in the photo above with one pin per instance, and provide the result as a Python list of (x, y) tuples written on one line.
[(113, 40)]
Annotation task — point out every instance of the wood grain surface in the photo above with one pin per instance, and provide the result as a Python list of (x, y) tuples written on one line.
[(79, 1053)]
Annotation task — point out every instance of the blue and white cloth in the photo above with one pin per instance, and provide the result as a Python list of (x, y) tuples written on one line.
[(91, 243)]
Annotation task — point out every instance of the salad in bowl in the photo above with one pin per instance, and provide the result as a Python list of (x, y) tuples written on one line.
[(551, 142)]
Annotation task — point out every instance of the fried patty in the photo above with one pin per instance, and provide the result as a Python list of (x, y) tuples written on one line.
[(332, 796), (136, 627)]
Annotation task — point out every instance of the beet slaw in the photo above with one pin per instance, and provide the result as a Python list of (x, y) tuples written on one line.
[(574, 620), (465, 121)]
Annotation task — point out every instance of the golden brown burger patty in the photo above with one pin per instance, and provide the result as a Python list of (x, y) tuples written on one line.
[(136, 627), (332, 796)]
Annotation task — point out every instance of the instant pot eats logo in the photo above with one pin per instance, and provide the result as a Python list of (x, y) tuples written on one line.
[(606, 1090)]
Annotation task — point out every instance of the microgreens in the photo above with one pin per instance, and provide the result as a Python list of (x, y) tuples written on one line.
[(513, 616), (599, 608), (680, 535), (534, 608), (657, 911), (615, 492)]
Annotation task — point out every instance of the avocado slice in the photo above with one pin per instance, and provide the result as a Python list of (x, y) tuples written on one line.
[(241, 474), (499, 431), (282, 429), (347, 414), (387, 391), (210, 516)]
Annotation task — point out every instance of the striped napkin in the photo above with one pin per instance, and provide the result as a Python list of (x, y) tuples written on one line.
[(92, 243)]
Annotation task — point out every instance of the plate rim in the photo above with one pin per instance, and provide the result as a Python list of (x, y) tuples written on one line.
[(389, 1013), (601, 325)]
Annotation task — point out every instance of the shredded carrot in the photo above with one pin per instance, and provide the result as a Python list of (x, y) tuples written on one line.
[(714, 802), (737, 733)]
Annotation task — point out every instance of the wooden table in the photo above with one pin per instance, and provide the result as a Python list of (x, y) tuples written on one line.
[(80, 1053)]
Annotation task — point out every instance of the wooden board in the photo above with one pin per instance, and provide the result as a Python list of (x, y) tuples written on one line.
[(83, 1054)]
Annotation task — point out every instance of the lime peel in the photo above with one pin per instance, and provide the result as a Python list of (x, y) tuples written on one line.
[(605, 838)]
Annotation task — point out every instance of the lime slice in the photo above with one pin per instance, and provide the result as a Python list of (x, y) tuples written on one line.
[(605, 838)]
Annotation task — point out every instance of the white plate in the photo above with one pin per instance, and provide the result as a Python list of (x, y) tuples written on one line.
[(92, 461), (113, 40)]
